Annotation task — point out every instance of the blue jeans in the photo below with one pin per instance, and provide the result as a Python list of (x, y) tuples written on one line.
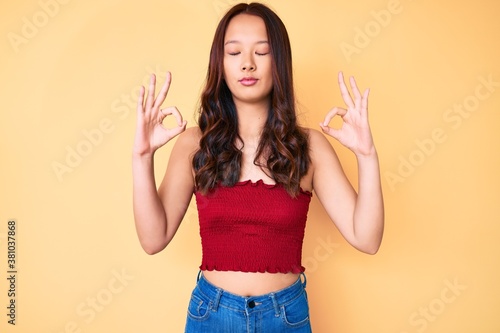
[(212, 309)]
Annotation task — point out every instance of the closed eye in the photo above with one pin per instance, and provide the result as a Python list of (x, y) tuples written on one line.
[(234, 53), (261, 54)]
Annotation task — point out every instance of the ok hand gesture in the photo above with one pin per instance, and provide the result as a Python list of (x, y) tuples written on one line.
[(150, 132), (355, 132)]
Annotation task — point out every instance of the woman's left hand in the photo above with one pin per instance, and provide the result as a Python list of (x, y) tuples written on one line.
[(355, 132)]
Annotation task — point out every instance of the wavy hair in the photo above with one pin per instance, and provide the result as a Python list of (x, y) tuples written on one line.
[(283, 144)]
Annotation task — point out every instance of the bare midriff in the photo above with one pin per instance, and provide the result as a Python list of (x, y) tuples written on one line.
[(250, 284)]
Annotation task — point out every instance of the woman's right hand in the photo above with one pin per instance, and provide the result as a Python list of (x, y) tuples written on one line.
[(150, 132)]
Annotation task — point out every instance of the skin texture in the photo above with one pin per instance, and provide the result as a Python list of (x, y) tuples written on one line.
[(247, 55), (359, 215)]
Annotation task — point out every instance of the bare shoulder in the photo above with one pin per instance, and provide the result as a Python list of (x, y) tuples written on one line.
[(313, 134), (179, 172), (318, 144), (321, 152), (321, 155), (189, 140), (193, 131)]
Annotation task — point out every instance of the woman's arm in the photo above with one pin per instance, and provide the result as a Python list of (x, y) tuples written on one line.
[(358, 216), (158, 214)]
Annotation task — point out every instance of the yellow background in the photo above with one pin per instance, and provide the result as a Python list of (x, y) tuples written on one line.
[(76, 73)]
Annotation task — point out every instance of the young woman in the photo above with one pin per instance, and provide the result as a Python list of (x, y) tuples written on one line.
[(253, 169)]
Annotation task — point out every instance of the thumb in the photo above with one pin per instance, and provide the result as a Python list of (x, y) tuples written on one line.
[(335, 133), (179, 129)]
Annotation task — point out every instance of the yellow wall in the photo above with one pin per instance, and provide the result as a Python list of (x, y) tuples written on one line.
[(70, 72)]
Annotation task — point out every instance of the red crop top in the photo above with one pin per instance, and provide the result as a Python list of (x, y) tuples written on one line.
[(252, 227)]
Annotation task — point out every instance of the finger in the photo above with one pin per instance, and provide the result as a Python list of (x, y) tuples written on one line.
[(345, 92), (178, 130), (334, 112), (163, 92), (175, 112), (151, 93), (161, 116), (140, 101), (364, 103), (330, 131), (355, 90)]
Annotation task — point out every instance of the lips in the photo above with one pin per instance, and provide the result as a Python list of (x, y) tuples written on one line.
[(248, 81)]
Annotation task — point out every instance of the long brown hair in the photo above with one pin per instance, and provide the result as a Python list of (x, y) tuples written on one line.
[(283, 143)]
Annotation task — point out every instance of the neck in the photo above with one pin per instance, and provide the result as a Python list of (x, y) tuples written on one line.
[(251, 120)]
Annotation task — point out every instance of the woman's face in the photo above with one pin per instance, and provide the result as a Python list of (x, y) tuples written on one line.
[(247, 60)]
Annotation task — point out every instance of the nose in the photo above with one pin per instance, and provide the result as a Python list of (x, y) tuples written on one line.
[(248, 64)]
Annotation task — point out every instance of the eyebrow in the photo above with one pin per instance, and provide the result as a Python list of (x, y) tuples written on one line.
[(238, 42)]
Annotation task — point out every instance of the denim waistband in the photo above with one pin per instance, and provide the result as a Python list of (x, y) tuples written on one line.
[(221, 297)]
